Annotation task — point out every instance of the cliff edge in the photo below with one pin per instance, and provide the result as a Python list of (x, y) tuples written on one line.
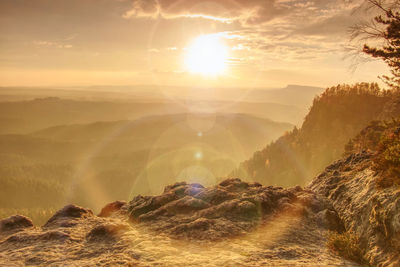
[(366, 209)]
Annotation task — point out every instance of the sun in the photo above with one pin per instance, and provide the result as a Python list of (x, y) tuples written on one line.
[(207, 55)]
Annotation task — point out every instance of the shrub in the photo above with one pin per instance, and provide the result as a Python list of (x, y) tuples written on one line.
[(387, 158), (346, 245), (383, 140)]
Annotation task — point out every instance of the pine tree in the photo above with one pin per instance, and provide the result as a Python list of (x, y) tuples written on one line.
[(386, 28)]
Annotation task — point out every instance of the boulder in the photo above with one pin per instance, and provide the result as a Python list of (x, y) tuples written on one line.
[(67, 215), (111, 208), (15, 223), (230, 208), (106, 232)]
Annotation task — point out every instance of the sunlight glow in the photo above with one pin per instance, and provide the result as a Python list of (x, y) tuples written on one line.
[(207, 55)]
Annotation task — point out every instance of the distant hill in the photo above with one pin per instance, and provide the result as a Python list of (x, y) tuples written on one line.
[(293, 95), (249, 131), (297, 95), (24, 110), (28, 116), (126, 157), (335, 117)]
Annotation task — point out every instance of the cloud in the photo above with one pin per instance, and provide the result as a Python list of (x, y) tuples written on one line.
[(143, 8), (52, 44), (263, 24), (245, 11)]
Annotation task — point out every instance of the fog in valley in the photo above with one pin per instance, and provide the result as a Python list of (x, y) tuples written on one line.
[(94, 145)]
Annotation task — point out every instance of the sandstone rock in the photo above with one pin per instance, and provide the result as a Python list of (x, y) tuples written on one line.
[(29, 238), (254, 225), (111, 208), (66, 215), (88, 241), (365, 209), (15, 223), (330, 220), (107, 232), (231, 208)]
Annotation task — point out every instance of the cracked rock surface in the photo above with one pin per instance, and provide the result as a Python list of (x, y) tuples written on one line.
[(371, 212)]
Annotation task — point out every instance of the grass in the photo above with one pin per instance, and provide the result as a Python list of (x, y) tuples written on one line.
[(346, 245)]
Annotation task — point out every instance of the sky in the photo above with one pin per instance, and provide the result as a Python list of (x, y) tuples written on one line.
[(269, 43)]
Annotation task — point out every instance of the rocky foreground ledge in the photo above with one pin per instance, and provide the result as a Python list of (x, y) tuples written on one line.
[(367, 210), (234, 223)]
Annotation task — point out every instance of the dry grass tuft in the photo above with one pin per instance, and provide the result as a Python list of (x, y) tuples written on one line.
[(346, 245)]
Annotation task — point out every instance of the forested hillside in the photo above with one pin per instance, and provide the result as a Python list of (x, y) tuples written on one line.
[(97, 162), (335, 117)]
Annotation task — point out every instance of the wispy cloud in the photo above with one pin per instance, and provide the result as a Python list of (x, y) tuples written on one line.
[(52, 44), (227, 11), (291, 29)]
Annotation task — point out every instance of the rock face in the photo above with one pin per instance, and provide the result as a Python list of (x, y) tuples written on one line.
[(65, 216), (15, 223), (111, 208), (365, 209), (72, 237), (231, 224), (231, 208)]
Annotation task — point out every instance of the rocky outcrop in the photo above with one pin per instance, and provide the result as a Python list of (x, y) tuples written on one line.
[(72, 237), (107, 232), (231, 224), (229, 209), (371, 212), (15, 223), (111, 208), (68, 216)]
